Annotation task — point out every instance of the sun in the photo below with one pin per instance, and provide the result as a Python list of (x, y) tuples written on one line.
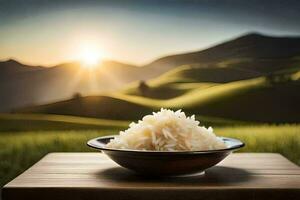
[(90, 57)]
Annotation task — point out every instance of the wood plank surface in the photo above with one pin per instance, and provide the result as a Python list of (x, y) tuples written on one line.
[(95, 176)]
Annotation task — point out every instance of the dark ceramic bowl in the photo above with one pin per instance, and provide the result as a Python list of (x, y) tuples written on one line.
[(165, 163)]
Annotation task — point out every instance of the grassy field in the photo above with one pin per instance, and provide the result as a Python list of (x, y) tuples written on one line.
[(19, 150), (283, 139)]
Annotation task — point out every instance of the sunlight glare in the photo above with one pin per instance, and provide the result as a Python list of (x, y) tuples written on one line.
[(90, 56)]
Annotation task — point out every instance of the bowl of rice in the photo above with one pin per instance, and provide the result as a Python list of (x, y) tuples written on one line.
[(166, 143)]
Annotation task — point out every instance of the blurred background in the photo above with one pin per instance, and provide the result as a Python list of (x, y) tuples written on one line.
[(74, 70)]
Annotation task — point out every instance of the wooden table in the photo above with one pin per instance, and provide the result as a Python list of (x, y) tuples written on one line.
[(243, 176)]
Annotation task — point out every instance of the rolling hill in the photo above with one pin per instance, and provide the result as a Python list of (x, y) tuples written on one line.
[(253, 100)]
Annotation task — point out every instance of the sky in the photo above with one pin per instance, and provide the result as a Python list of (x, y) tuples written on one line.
[(48, 32)]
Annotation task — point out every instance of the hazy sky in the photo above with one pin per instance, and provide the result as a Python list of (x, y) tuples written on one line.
[(134, 31)]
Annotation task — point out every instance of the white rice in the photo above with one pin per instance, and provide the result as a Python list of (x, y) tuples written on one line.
[(167, 130)]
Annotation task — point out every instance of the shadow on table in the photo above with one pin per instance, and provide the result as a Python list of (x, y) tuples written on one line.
[(213, 176)]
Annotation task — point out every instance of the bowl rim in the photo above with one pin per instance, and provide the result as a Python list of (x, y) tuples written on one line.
[(94, 143)]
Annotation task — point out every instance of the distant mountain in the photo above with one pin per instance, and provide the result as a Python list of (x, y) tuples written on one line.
[(249, 56), (271, 52), (12, 67)]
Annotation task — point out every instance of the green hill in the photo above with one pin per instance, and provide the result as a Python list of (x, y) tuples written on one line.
[(106, 107), (254, 100), (185, 78), (38, 122)]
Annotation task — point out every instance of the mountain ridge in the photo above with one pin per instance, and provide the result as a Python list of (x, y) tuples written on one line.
[(287, 47)]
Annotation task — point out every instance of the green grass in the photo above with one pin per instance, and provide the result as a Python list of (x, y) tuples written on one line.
[(19, 150), (283, 139)]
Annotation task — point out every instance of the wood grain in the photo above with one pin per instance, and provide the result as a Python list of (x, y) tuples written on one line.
[(94, 176)]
